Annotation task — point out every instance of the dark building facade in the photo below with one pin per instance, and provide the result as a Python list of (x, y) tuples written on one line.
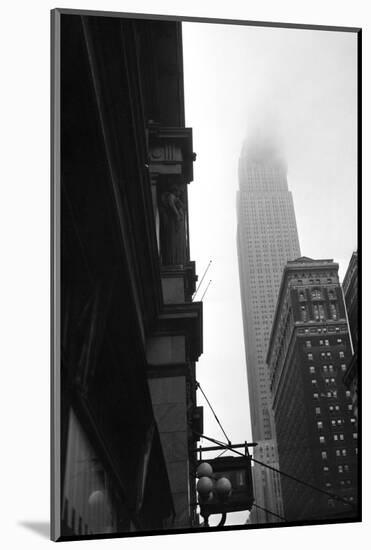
[(308, 354), (130, 334), (350, 289)]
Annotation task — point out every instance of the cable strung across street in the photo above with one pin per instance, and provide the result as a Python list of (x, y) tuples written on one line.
[(230, 447)]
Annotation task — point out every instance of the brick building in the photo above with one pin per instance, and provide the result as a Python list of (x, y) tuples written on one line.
[(308, 354)]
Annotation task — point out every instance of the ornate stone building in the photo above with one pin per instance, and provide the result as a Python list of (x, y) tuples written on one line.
[(130, 335)]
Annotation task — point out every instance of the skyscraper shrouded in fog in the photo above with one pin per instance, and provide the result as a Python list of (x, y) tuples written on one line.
[(267, 238)]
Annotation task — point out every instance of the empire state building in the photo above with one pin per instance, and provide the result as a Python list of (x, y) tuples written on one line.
[(267, 238)]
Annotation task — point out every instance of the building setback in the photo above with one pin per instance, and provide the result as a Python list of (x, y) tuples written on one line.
[(350, 289), (266, 238), (309, 350)]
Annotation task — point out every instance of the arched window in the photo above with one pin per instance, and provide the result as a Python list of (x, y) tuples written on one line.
[(304, 313), (333, 311)]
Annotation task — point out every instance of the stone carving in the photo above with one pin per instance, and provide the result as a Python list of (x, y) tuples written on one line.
[(172, 227)]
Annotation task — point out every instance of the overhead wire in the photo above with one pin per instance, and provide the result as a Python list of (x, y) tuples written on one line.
[(269, 511), (198, 386), (305, 483)]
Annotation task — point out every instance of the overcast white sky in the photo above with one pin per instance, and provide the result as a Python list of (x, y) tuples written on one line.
[(300, 84)]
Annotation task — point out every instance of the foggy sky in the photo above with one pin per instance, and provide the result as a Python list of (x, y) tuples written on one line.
[(297, 87)]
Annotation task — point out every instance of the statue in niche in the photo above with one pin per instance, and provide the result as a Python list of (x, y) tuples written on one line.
[(172, 228)]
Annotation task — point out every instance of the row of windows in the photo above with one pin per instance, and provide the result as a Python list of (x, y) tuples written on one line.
[(325, 354), (319, 312), (335, 422), (316, 281), (326, 342), (317, 294), (327, 381), (327, 368), (318, 330)]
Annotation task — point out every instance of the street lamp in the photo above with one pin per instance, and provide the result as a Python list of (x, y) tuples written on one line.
[(211, 489)]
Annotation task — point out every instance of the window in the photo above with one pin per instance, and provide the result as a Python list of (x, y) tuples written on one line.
[(331, 408), (333, 422), (340, 468), (331, 368), (321, 342), (310, 356), (355, 435), (240, 478), (325, 468), (350, 407), (328, 484), (314, 381), (316, 293), (347, 393), (325, 368), (336, 437), (323, 455), (315, 395), (343, 367), (327, 343), (319, 425), (333, 311), (337, 452), (339, 340), (341, 354), (341, 437), (344, 452), (304, 313), (327, 380), (312, 370), (316, 312), (321, 311), (322, 439), (308, 344)]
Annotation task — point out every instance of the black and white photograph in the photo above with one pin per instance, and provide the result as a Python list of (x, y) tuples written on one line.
[(184, 224), (206, 299)]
